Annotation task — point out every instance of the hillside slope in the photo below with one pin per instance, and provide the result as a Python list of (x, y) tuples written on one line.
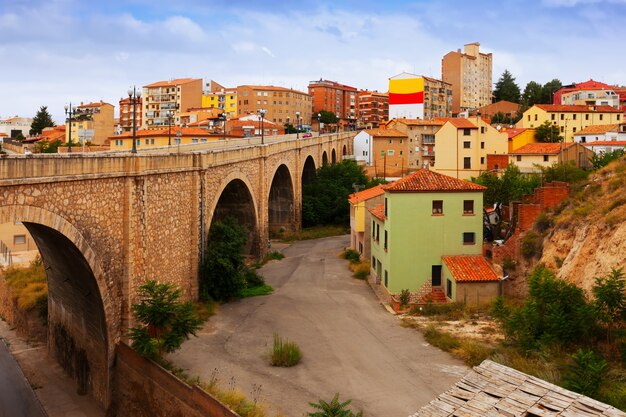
[(589, 234)]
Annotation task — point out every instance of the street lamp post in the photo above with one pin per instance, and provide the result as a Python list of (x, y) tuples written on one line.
[(297, 125), (69, 112), (169, 128), (319, 123), (134, 96), (261, 117), (179, 135)]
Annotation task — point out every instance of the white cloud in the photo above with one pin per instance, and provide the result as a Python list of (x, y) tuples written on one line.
[(185, 28), (267, 51)]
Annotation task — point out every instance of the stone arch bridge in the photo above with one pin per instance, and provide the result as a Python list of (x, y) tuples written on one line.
[(104, 223)]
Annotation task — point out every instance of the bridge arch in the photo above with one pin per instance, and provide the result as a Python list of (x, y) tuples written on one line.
[(235, 198), (81, 335), (308, 170), (281, 200), (344, 152), (333, 157), (324, 158)]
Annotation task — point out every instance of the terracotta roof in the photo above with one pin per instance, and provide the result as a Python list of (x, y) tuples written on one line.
[(541, 148), (96, 104), (597, 129), (576, 108), (169, 83), (386, 133), (421, 122), (470, 268), (515, 131), (378, 212), (606, 143), (366, 194), (256, 124), (3, 134), (426, 180), (459, 122)]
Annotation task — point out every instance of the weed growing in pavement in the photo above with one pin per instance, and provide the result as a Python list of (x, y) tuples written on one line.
[(284, 352)]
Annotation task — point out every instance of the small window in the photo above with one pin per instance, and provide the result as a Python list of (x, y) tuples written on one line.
[(390, 152), (468, 206), (385, 245), (545, 158), (385, 207), (466, 132), (437, 206), (449, 288), (386, 278), (373, 261), (586, 117), (467, 162), (482, 129), (562, 116), (377, 232), (467, 145), (482, 145), (529, 117), (373, 229), (469, 238), (482, 160), (19, 239), (553, 116), (535, 117), (601, 116), (574, 116)]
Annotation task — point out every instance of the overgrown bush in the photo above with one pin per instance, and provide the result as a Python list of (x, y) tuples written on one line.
[(284, 352), (352, 255), (29, 286), (543, 223), (586, 373), (555, 313), (566, 172), (508, 264), (404, 297), (532, 245), (334, 408), (442, 340)]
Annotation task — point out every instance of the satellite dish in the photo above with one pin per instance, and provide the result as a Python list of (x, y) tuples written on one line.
[(499, 128)]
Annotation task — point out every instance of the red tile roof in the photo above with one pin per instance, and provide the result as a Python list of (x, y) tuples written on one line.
[(378, 212), (426, 180), (605, 143), (421, 122), (458, 122), (386, 133), (515, 131), (541, 149), (470, 268), (170, 83), (366, 194), (590, 130), (576, 108), (96, 104)]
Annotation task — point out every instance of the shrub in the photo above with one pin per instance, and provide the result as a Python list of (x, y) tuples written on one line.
[(334, 408), (352, 255), (442, 340), (566, 172), (361, 274), (284, 352), (508, 264), (586, 372), (531, 245), (558, 261), (405, 297), (616, 203), (29, 286), (543, 223), (472, 352)]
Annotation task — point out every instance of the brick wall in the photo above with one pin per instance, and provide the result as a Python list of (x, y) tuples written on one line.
[(497, 162), (143, 389)]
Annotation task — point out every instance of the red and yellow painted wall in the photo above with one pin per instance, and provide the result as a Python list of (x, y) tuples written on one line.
[(406, 96)]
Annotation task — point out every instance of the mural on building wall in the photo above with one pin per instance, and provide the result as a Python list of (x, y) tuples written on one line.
[(406, 96)]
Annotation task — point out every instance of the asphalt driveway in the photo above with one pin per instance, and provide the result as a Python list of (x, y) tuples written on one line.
[(350, 343)]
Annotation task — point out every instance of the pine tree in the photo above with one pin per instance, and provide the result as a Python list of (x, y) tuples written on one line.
[(41, 120), (506, 89), (532, 94)]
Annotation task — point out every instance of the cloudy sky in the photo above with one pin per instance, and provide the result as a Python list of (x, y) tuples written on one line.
[(57, 51)]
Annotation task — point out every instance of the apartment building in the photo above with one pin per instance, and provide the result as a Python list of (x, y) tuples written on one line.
[(13, 126), (589, 93), (160, 137), (216, 96), (570, 118), (126, 115), (168, 98), (383, 151), (437, 98), (417, 97), (373, 109), (470, 74), (463, 146), (281, 105), (335, 97), (91, 122), (421, 140)]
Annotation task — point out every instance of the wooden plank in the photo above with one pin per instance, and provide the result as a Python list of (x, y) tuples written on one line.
[(540, 411)]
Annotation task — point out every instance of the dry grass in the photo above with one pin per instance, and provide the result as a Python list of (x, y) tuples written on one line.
[(29, 286), (311, 233), (360, 270)]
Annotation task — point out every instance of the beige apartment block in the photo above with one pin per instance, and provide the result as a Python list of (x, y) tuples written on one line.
[(91, 122), (437, 98), (470, 74), (163, 99), (282, 105), (421, 143)]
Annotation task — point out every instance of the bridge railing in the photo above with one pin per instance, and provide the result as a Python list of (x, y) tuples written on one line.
[(16, 169)]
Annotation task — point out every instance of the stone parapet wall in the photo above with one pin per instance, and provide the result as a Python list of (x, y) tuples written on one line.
[(142, 388)]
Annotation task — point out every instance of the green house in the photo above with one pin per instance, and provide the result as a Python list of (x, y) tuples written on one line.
[(425, 217)]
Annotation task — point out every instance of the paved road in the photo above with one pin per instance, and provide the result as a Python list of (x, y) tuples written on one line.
[(17, 399), (350, 343)]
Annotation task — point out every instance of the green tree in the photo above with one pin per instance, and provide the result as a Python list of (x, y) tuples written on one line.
[(45, 146), (548, 132), (327, 117), (41, 120), (600, 160), (549, 89), (506, 88), (610, 302), (510, 186), (556, 312), (532, 94), (586, 373), (289, 129), (499, 117), (565, 171), (333, 409), (164, 321), (325, 199), (223, 273)]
